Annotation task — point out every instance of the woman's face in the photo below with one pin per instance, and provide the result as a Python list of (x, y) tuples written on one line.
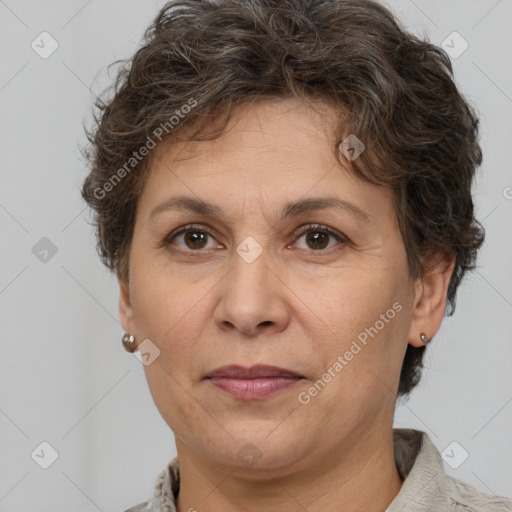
[(251, 284)]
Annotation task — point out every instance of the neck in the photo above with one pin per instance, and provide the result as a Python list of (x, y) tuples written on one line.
[(360, 474)]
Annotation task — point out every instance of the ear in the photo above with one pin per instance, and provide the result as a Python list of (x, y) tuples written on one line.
[(125, 308), (430, 301)]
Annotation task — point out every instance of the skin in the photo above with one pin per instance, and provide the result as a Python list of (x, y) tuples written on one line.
[(296, 306)]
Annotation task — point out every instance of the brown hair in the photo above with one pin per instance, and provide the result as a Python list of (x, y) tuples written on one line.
[(202, 58)]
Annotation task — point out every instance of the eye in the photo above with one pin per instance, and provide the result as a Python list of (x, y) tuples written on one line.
[(318, 237), (192, 238)]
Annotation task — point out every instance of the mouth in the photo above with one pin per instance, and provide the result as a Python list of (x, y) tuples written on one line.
[(254, 383)]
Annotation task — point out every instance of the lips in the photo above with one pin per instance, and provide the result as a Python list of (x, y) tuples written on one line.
[(255, 383), (254, 372)]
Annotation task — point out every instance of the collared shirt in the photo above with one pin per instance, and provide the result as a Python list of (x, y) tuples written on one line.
[(426, 486)]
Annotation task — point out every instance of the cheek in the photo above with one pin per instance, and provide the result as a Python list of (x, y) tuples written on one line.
[(349, 303), (173, 398), (172, 312), (368, 322), (161, 299)]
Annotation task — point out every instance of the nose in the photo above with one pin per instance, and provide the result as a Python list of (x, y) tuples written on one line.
[(253, 298)]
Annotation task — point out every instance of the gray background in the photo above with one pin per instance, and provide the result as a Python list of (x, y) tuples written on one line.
[(64, 377)]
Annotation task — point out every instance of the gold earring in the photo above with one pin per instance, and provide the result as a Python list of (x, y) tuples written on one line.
[(129, 343), (424, 338)]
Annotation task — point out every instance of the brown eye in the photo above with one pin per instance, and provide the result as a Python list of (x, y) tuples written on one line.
[(319, 238), (195, 239), (191, 239)]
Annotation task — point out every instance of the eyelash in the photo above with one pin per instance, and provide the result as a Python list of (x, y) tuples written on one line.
[(302, 230)]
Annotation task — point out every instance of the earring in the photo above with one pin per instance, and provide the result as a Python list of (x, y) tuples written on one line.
[(424, 338), (129, 343)]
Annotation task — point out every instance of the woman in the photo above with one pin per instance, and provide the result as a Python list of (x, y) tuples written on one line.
[(283, 189)]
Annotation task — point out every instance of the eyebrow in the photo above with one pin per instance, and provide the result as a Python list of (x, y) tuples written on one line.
[(291, 209)]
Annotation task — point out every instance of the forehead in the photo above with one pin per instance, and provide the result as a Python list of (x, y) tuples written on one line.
[(259, 126), (271, 151)]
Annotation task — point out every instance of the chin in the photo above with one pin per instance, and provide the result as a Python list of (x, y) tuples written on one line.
[(259, 449)]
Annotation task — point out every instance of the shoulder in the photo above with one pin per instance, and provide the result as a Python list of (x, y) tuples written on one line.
[(146, 506), (466, 498), (427, 486), (458, 495), (165, 492)]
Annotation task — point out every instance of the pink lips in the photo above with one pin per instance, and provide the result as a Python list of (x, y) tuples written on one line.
[(255, 383)]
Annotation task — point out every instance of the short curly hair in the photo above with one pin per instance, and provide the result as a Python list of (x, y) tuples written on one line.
[(200, 59)]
